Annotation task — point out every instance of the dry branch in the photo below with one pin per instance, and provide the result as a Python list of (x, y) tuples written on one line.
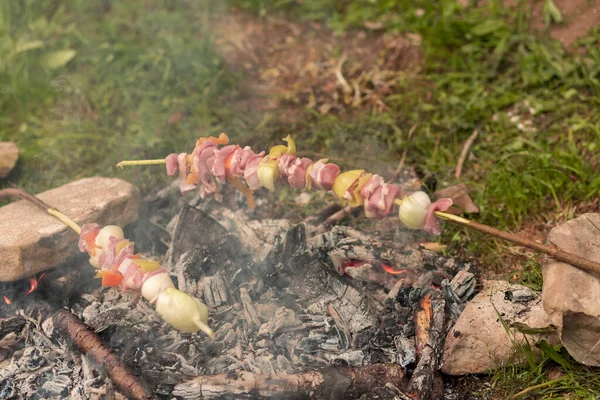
[(421, 383), (465, 152), (328, 383), (89, 344)]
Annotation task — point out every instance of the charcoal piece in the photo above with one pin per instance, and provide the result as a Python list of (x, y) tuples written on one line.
[(294, 244), (463, 284), (224, 255), (7, 388), (57, 387), (31, 360), (312, 343), (406, 351), (318, 284), (354, 358), (522, 295), (215, 291), (9, 325), (193, 227), (454, 306)]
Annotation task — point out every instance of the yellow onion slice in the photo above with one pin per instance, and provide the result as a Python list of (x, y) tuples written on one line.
[(357, 199), (277, 151), (267, 172), (146, 265), (344, 181)]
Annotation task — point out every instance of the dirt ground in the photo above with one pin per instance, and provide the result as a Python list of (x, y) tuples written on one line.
[(290, 66)]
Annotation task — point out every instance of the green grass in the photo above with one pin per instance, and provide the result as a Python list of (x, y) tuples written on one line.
[(87, 83)]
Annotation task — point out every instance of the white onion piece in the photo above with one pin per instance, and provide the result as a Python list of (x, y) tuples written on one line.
[(103, 238), (184, 312), (413, 210), (156, 284)]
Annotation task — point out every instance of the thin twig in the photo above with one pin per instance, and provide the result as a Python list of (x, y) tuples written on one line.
[(554, 252), (465, 152)]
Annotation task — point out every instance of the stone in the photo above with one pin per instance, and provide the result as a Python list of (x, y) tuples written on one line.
[(570, 296), (32, 241), (9, 154), (490, 329)]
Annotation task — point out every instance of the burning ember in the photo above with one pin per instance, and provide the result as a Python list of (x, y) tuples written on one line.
[(7, 300), (391, 270), (33, 284)]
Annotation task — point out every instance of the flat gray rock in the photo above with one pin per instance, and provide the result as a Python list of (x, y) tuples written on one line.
[(571, 297), (479, 341), (32, 241), (9, 154)]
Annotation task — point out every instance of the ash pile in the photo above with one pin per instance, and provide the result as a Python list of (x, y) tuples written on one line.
[(299, 311)]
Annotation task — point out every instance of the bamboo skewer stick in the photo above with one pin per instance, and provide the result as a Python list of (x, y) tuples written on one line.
[(141, 162), (554, 252), (18, 192)]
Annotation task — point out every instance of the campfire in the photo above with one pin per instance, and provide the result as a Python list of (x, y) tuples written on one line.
[(289, 310)]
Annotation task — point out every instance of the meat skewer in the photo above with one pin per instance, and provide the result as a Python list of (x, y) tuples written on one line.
[(209, 165), (117, 265)]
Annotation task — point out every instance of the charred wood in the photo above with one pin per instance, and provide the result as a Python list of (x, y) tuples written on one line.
[(421, 384), (89, 344), (327, 383)]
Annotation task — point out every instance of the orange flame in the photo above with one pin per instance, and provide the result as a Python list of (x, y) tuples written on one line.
[(390, 270), (33, 283), (7, 300)]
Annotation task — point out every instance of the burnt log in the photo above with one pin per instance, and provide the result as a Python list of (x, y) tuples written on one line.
[(422, 382), (327, 383), (89, 344)]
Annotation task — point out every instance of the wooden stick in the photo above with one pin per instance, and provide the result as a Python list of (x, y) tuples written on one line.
[(141, 162), (554, 252), (340, 382), (89, 344), (36, 201)]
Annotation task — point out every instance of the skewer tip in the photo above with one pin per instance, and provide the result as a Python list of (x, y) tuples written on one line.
[(141, 162)]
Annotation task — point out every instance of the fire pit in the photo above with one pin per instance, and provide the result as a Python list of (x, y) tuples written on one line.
[(299, 310)]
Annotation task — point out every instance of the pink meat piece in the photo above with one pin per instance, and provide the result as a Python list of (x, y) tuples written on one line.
[(322, 175), (172, 164), (379, 197), (108, 257), (132, 276), (204, 159), (293, 169), (250, 174), (184, 186), (126, 252), (218, 168), (240, 159), (297, 173), (87, 230), (284, 163), (369, 187), (432, 225)]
